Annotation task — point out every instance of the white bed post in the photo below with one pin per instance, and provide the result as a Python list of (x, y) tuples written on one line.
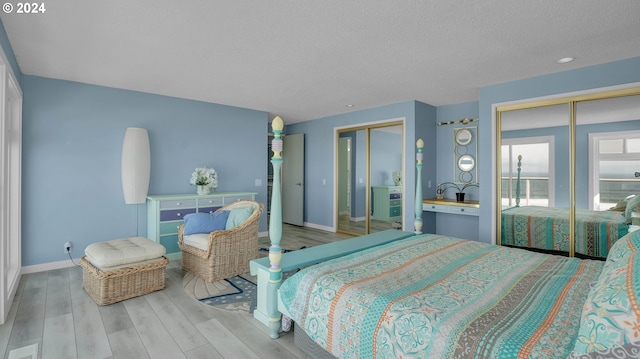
[(518, 181), (275, 231), (418, 209)]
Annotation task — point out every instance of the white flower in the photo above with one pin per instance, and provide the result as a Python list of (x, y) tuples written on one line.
[(204, 176), (397, 176)]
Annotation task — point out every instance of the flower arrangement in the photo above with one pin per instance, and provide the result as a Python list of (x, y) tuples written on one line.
[(204, 176), (397, 177)]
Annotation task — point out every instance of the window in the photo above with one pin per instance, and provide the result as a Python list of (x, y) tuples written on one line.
[(615, 159), (536, 177)]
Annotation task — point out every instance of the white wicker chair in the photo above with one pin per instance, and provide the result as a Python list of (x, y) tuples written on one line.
[(229, 251)]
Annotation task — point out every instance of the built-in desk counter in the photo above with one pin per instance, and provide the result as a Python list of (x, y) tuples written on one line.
[(468, 208)]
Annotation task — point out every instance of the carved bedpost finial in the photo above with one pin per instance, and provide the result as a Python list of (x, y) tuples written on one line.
[(418, 208)]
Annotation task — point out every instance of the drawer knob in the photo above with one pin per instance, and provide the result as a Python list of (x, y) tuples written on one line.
[(179, 214), (462, 210), (433, 207)]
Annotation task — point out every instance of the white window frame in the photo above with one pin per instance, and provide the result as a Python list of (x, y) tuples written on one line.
[(596, 157), (550, 141)]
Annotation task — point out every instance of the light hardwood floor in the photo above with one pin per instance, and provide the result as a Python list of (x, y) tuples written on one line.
[(52, 311)]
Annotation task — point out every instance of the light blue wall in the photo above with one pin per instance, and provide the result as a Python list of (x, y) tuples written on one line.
[(592, 77), (320, 157), (72, 142)]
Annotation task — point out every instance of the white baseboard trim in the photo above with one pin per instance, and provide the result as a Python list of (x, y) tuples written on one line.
[(320, 227), (49, 266)]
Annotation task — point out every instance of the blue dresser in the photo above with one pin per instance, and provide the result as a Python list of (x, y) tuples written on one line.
[(165, 213)]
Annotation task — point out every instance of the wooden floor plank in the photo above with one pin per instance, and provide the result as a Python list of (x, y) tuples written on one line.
[(91, 336), (115, 318), (155, 337), (224, 341), (251, 336), (127, 344), (181, 329), (58, 295), (203, 352), (59, 339)]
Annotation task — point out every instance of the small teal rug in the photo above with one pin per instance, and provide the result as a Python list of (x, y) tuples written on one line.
[(243, 290)]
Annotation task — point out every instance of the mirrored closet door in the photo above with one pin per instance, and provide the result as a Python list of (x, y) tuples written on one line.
[(566, 167), (370, 178)]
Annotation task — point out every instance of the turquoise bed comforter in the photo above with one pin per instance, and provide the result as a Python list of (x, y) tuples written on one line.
[(431, 296), (548, 228)]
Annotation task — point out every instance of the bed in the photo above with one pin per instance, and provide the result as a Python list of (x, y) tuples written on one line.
[(547, 228), (424, 295)]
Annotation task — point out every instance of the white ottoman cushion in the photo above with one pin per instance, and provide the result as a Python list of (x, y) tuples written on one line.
[(123, 251), (198, 240)]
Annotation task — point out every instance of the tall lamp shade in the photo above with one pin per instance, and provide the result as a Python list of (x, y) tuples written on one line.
[(136, 165)]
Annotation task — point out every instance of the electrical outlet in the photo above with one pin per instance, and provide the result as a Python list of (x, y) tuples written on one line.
[(67, 247)]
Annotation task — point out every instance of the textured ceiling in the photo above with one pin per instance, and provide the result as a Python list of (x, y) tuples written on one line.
[(305, 60)]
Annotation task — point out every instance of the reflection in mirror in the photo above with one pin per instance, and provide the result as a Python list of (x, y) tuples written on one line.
[(591, 171), (608, 151), (351, 182), (541, 136), (385, 159)]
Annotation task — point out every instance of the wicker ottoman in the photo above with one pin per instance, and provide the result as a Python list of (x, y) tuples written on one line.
[(123, 268)]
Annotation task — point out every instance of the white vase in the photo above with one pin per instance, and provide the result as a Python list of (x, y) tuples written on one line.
[(204, 190)]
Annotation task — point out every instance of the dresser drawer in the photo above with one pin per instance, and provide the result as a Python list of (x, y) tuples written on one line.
[(231, 199), (395, 195), (395, 202), (210, 202), (169, 227), (178, 203), (208, 209), (470, 211), (395, 190), (175, 214), (435, 208), (395, 211)]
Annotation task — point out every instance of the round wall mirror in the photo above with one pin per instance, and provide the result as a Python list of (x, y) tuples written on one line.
[(466, 163), (463, 137)]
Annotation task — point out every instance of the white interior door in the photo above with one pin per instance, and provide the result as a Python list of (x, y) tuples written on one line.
[(293, 179), (10, 188)]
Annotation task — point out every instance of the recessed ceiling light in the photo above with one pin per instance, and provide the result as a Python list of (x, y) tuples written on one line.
[(564, 60), (349, 105)]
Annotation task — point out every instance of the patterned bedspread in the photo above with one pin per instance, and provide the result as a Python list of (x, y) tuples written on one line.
[(548, 228), (431, 296)]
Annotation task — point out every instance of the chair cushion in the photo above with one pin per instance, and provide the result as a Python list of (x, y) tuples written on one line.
[(123, 251), (197, 240), (205, 222), (237, 216)]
